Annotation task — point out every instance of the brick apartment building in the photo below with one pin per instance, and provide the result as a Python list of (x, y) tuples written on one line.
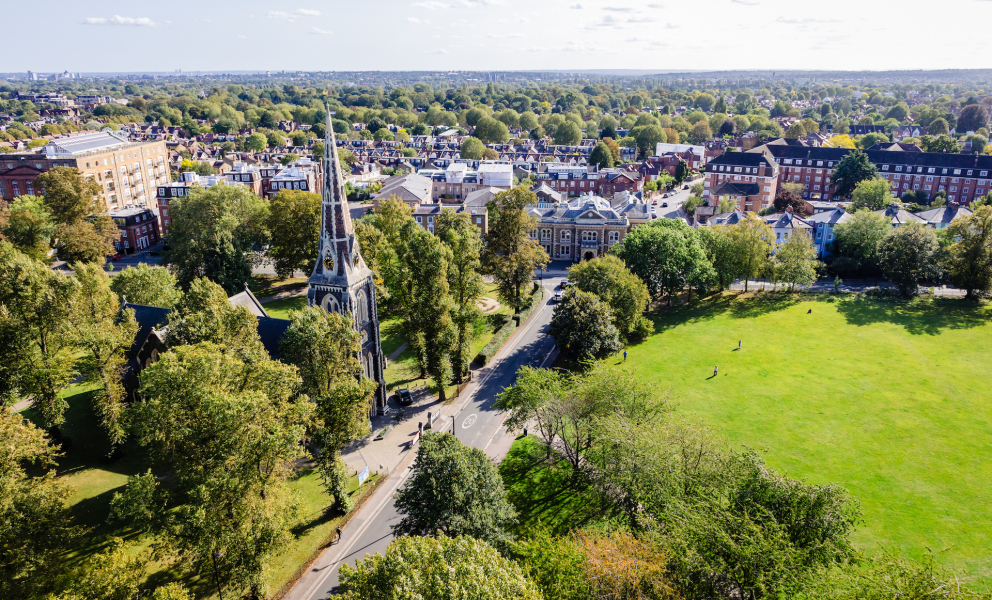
[(138, 227), (964, 177), (127, 172), (578, 180), (166, 192)]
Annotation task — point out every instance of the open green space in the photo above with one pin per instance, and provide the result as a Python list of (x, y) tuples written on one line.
[(94, 479), (889, 399), (279, 309)]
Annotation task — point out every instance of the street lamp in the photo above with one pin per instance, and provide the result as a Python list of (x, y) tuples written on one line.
[(220, 594), (452, 424)]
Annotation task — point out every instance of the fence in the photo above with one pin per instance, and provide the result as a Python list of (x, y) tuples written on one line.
[(369, 492)]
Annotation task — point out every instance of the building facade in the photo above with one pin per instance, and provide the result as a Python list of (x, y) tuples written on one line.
[(138, 227), (583, 229)]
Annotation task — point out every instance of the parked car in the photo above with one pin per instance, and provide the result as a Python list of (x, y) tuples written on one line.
[(557, 297), (664, 205), (655, 203), (564, 283), (116, 256), (685, 187), (404, 397)]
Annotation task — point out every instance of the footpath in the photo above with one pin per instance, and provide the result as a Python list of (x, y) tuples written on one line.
[(847, 287)]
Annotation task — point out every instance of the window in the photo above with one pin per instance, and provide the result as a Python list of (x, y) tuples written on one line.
[(614, 237), (420, 219), (566, 236), (545, 234), (589, 236), (566, 250)]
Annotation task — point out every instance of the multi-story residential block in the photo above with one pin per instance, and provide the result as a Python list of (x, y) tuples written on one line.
[(245, 174), (168, 191), (138, 227), (293, 178), (127, 172), (749, 178)]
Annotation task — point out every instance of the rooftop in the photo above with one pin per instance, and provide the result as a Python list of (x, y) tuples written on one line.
[(81, 144)]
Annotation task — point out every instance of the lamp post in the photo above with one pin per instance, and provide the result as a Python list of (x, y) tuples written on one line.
[(220, 594), (452, 424)]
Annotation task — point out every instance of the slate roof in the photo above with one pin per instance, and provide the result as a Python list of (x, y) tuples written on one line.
[(830, 217), (737, 188), (271, 331), (785, 220), (149, 318), (943, 215), (897, 215), (249, 301), (729, 218)]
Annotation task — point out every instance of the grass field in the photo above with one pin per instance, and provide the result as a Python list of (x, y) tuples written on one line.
[(889, 399)]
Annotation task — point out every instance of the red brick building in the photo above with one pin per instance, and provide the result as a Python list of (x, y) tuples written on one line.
[(138, 227)]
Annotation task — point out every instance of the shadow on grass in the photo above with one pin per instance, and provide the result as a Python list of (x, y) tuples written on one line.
[(720, 303), (546, 493), (919, 316)]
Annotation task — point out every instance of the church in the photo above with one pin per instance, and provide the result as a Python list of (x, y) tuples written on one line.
[(341, 281)]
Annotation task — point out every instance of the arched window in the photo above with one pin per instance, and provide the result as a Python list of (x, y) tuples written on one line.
[(566, 236), (361, 308), (330, 304), (589, 236)]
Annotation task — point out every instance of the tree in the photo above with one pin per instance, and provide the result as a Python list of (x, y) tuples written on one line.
[(625, 294), (423, 568), (681, 171), (898, 111), (88, 241), (614, 149), (37, 356), (528, 120), (648, 137), (472, 148), (317, 151), (490, 154), (795, 260), (274, 139), (582, 326), (35, 521), (104, 333), (795, 131), (114, 574), (858, 239), (324, 347), (721, 105), (454, 490), (227, 428), (870, 139), (943, 144), (872, 194), (721, 251), (754, 241), (938, 127), (70, 197), (567, 134), (510, 255), (790, 194), (535, 398), (972, 118), (256, 142), (728, 128), (204, 314), (464, 280), (294, 225), (908, 254), (211, 231), (29, 227), (601, 156), (700, 132), (381, 242), (288, 158), (852, 169), (667, 256), (969, 260), (147, 285), (430, 328), (491, 131)]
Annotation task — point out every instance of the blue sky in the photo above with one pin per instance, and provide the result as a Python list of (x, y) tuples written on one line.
[(101, 35)]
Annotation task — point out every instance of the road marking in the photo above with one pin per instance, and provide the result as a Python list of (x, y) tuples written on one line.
[(469, 421)]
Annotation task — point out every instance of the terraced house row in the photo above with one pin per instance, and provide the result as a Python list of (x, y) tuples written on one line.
[(752, 178)]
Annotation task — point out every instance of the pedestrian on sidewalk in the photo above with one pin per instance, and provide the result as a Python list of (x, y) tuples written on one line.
[(625, 355)]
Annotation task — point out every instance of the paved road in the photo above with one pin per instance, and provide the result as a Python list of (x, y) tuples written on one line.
[(476, 424)]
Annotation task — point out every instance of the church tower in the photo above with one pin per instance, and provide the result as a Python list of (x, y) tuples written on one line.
[(341, 281)]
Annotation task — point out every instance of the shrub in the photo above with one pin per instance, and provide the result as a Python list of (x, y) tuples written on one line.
[(487, 352)]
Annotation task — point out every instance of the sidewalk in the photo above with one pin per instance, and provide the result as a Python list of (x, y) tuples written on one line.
[(847, 287)]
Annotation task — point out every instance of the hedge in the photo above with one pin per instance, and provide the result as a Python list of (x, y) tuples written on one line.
[(535, 299), (504, 333)]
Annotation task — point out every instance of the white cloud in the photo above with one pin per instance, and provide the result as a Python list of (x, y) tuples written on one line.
[(438, 51), (316, 31), (119, 20), (624, 9), (576, 7), (431, 5), (242, 37), (418, 21), (656, 6), (278, 15), (307, 12), (746, 2), (804, 21)]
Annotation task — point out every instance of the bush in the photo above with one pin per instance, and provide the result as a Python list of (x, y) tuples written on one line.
[(487, 352), (643, 328), (535, 298)]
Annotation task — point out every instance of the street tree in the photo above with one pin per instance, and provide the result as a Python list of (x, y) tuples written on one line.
[(795, 260), (908, 255), (754, 242), (682, 171), (104, 333), (667, 256), (28, 225), (464, 280), (872, 194), (535, 400), (454, 490), (510, 255), (147, 285), (601, 156), (969, 260), (851, 170), (324, 347), (294, 226), (424, 568), (582, 327), (211, 233), (625, 293), (88, 241), (858, 239)]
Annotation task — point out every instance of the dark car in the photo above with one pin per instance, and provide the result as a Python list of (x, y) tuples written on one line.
[(404, 397), (664, 205), (685, 187)]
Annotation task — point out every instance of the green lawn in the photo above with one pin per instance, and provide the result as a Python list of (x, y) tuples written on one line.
[(546, 495), (94, 479), (279, 309), (889, 399)]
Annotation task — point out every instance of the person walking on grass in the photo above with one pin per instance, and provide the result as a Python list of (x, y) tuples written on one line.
[(625, 355), (739, 342), (715, 368)]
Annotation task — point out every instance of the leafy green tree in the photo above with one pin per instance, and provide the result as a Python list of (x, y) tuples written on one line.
[(294, 226), (872, 194), (325, 348), (147, 285), (288, 158), (510, 255), (491, 131), (601, 156), (870, 139), (382, 244), (430, 328), (274, 139), (682, 171), (621, 290), (423, 568), (464, 280), (35, 522), (114, 574), (70, 197), (972, 118), (969, 260), (858, 239), (938, 127), (454, 490), (227, 428), (582, 326), (528, 120), (790, 194), (29, 227), (104, 333), (754, 242), (256, 142), (317, 151), (667, 256), (203, 314), (721, 251), (211, 231), (700, 132), (851, 170), (472, 148), (88, 241), (795, 131), (535, 400), (795, 260), (908, 254), (943, 144), (38, 353)]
